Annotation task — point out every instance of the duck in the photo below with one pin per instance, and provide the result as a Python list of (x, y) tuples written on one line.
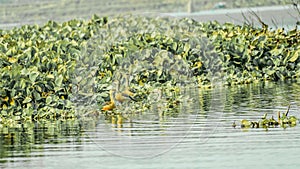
[(119, 96), (121, 93), (109, 106)]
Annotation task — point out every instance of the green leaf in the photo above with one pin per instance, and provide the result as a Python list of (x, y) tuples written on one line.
[(33, 76), (27, 100), (58, 80), (48, 100), (24, 71), (159, 72), (276, 51), (22, 84), (174, 46), (38, 88), (187, 47), (294, 56), (68, 104), (36, 95)]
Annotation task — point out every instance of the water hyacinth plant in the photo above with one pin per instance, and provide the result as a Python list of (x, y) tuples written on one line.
[(37, 63)]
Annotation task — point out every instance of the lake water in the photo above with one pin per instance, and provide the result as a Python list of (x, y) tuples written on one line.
[(202, 138)]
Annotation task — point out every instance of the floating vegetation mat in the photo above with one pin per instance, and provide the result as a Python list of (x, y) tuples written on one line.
[(67, 70)]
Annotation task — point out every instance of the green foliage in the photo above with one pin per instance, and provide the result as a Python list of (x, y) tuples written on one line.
[(254, 54), (37, 62)]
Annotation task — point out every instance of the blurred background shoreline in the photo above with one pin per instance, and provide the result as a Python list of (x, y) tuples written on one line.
[(15, 13)]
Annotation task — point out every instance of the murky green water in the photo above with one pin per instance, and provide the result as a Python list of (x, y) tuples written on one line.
[(202, 139)]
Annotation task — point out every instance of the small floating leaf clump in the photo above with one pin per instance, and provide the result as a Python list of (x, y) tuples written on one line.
[(283, 120)]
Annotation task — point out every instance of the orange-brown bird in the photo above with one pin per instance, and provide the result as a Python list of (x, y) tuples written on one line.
[(109, 106), (117, 96)]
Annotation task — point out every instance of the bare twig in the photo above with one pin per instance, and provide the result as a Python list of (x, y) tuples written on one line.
[(275, 23), (247, 21), (287, 111), (258, 18), (231, 17), (296, 6)]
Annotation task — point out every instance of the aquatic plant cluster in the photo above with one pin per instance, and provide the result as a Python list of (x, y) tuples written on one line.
[(283, 120), (37, 63)]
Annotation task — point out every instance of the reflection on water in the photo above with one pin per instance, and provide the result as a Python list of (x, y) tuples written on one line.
[(201, 138)]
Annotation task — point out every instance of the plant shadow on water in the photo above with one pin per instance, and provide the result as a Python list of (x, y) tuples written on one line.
[(21, 140)]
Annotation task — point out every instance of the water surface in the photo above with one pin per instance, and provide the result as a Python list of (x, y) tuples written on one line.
[(202, 138)]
